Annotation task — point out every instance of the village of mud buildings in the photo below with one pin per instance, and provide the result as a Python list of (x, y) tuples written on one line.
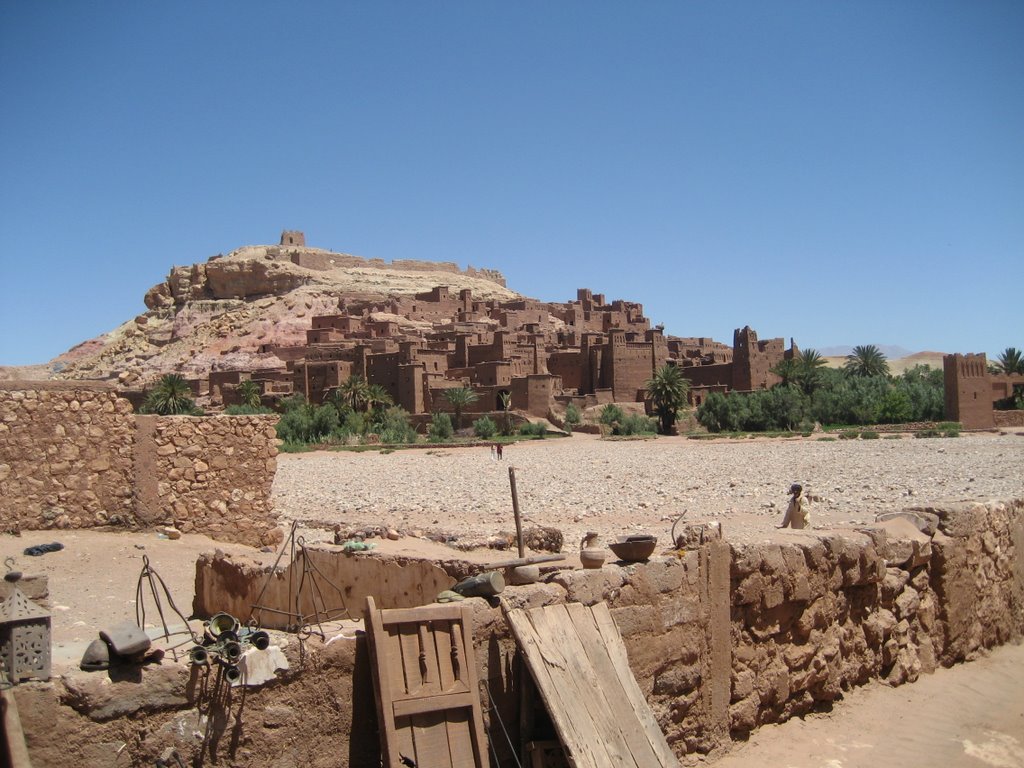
[(310, 510)]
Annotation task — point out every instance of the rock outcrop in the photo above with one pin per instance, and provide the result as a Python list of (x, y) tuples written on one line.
[(228, 312)]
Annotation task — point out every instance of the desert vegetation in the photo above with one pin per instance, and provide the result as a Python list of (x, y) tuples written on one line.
[(862, 393)]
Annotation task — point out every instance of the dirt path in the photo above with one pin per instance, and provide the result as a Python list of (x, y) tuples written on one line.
[(968, 716)]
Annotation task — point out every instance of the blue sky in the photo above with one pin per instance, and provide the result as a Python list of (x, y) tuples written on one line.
[(835, 172)]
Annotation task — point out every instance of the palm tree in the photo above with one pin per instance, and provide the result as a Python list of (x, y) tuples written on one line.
[(1011, 361), (459, 398), (866, 360), (377, 397), (667, 390), (249, 393), (809, 362), (171, 396), (788, 370), (354, 391), (505, 398)]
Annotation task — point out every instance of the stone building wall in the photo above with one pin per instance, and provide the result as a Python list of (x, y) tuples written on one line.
[(209, 475), (65, 456), (75, 455)]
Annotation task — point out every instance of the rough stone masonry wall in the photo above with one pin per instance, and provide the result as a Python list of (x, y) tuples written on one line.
[(808, 620), (209, 475), (65, 456), (815, 618), (74, 455)]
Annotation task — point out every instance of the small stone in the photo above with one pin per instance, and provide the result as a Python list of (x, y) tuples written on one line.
[(171, 532)]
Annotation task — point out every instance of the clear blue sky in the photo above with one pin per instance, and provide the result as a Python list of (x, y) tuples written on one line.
[(837, 172)]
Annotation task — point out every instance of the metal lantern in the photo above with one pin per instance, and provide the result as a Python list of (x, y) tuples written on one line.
[(24, 639)]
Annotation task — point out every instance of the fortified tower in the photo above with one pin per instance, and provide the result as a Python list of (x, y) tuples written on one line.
[(968, 390), (293, 237)]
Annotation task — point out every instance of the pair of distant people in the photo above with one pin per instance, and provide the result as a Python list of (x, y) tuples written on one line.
[(496, 452)]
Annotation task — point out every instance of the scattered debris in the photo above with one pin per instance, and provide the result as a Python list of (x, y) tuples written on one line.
[(42, 549)]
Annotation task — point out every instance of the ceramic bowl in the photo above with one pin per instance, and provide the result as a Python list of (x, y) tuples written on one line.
[(633, 549)]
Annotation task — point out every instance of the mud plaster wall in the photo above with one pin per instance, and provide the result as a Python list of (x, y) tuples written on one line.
[(774, 628), (65, 456), (74, 455)]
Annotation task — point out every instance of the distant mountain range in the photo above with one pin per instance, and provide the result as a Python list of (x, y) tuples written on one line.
[(891, 351)]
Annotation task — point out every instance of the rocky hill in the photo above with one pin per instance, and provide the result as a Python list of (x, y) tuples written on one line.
[(218, 314)]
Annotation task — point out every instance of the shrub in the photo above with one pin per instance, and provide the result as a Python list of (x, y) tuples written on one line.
[(868, 435), (927, 433), (246, 410), (485, 428), (530, 429), (572, 415), (610, 414), (394, 427), (440, 429), (849, 434), (634, 424)]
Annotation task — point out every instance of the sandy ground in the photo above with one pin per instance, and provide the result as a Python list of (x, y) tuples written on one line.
[(626, 487), (968, 716)]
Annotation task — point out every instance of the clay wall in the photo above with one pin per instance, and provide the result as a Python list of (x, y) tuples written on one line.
[(968, 390), (753, 360), (535, 394), (65, 456), (210, 475), (568, 366)]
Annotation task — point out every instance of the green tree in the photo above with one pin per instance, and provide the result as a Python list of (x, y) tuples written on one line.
[(866, 360), (377, 397), (170, 397), (788, 370), (394, 427), (485, 428), (505, 399), (1011, 361), (354, 392), (572, 416), (440, 430), (459, 398), (249, 393), (667, 390), (810, 364)]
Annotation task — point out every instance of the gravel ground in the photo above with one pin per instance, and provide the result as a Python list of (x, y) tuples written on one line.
[(623, 487)]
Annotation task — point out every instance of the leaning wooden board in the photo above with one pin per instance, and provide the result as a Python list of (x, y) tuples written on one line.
[(425, 685), (578, 661)]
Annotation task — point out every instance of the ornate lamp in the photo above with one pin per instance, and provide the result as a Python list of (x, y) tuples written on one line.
[(24, 637)]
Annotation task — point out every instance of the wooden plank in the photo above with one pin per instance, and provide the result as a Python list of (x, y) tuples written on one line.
[(548, 670), (382, 685), (617, 654), (430, 734), (578, 662), (621, 709), (531, 560), (467, 664), (408, 707), (591, 705), (441, 612)]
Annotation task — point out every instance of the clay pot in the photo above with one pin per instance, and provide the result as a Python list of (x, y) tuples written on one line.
[(591, 556)]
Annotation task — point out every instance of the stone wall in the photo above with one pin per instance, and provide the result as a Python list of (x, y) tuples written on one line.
[(721, 640), (827, 613), (65, 456), (74, 455), (209, 475), (1008, 418)]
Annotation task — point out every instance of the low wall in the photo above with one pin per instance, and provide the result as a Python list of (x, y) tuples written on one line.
[(1008, 418), (721, 640), (211, 475), (75, 455), (65, 456)]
